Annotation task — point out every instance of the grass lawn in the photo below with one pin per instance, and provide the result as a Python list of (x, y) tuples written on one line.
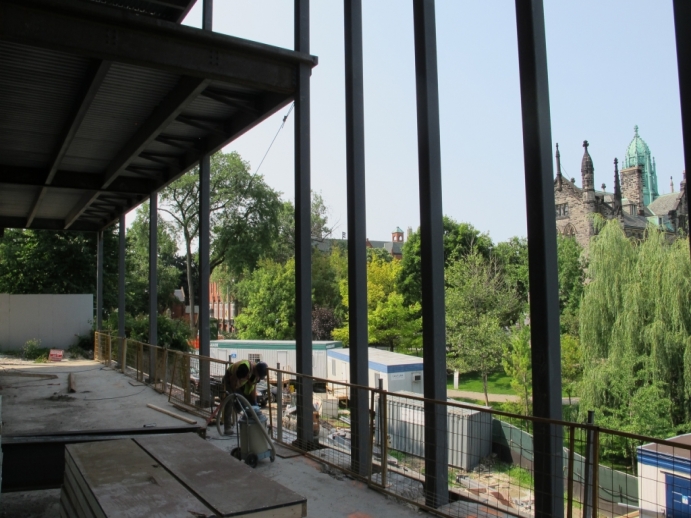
[(497, 383)]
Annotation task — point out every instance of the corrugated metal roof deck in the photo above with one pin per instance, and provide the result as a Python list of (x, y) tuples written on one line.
[(93, 124)]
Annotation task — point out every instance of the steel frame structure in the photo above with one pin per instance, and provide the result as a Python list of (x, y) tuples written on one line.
[(205, 89)]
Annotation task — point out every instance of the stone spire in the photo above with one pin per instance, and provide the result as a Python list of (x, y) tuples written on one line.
[(617, 189), (559, 177), (683, 181), (588, 177), (671, 184)]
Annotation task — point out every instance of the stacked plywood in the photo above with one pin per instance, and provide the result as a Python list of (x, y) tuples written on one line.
[(169, 476)]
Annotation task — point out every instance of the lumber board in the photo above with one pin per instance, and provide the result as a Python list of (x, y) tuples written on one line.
[(83, 502), (198, 465), (125, 481), (172, 414)]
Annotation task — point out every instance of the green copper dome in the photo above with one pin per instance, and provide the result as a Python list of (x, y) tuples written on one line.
[(637, 148), (638, 155)]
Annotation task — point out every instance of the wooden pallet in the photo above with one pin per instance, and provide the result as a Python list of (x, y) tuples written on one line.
[(168, 476)]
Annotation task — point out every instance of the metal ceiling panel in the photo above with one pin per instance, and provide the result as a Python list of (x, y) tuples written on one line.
[(14, 199), (58, 203), (125, 100)]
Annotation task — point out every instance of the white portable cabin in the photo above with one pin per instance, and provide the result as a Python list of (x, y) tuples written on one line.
[(664, 479), (398, 371), (272, 352)]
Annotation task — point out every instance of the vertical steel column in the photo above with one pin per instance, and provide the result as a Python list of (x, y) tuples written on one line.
[(682, 14), (357, 236), (121, 279), (204, 243), (303, 238), (99, 280), (121, 293), (542, 257), (432, 253), (153, 279), (204, 248)]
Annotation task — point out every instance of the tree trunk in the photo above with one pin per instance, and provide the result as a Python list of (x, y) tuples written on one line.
[(190, 287), (484, 382)]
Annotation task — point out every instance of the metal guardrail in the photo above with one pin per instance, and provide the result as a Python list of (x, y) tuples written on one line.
[(490, 452)]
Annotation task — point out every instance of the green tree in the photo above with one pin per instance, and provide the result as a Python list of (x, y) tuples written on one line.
[(571, 364), (390, 321), (635, 330), (478, 308), (460, 239), (571, 269), (320, 229), (268, 295), (512, 257), (244, 216), (518, 365), (57, 262), (137, 264)]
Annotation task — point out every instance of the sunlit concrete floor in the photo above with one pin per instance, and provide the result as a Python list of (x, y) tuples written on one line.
[(105, 399)]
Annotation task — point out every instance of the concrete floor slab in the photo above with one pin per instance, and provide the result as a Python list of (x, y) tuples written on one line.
[(35, 399), (106, 400)]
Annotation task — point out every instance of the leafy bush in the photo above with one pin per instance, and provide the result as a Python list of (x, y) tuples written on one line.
[(32, 349), (84, 342), (171, 333)]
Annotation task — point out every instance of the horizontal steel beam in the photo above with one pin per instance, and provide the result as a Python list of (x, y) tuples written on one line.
[(48, 224), (74, 181), (100, 32)]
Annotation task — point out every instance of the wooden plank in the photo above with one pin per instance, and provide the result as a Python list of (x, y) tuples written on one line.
[(126, 481), (198, 465), (172, 414)]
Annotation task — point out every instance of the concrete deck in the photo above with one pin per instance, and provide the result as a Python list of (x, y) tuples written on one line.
[(106, 399)]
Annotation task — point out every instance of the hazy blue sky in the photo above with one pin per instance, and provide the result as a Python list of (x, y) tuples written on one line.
[(612, 64)]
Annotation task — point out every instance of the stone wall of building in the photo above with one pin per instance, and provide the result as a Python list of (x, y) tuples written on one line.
[(632, 185), (579, 217)]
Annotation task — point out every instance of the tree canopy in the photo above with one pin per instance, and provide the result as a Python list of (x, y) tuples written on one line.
[(635, 330)]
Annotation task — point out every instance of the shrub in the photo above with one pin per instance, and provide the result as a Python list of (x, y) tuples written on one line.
[(32, 349)]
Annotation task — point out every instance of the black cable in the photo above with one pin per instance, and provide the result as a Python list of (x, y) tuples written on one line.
[(274, 140)]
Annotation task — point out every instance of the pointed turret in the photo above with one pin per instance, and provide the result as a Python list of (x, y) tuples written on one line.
[(683, 181), (671, 184), (559, 177), (617, 189), (588, 178)]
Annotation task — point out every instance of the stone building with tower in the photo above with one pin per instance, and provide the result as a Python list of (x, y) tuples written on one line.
[(634, 199)]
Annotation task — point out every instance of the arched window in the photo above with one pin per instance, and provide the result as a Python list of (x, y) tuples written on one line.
[(569, 231)]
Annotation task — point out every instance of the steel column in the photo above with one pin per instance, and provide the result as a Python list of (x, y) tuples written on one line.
[(121, 279), (204, 273), (99, 280), (303, 241), (204, 248), (153, 280), (432, 253), (542, 257), (357, 235), (682, 12)]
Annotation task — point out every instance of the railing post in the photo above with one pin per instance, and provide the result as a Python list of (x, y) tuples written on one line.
[(569, 494), (108, 352), (279, 403), (123, 355), (384, 433), (587, 474), (596, 470), (185, 374), (371, 435), (172, 375), (140, 362)]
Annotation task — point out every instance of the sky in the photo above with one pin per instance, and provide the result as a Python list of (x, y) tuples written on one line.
[(612, 65)]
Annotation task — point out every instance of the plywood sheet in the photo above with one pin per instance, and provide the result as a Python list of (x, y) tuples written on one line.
[(127, 482), (230, 487)]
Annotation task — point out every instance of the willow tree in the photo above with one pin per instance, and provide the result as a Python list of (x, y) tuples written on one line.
[(635, 328)]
